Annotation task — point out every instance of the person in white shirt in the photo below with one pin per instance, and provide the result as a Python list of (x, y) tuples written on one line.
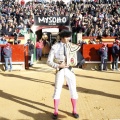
[(57, 59)]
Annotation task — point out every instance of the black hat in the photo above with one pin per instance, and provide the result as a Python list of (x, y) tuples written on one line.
[(65, 33), (29, 40)]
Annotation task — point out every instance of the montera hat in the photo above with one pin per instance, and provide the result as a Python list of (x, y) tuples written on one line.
[(65, 33)]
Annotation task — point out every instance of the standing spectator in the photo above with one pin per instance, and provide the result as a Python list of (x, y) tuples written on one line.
[(57, 59), (81, 60), (103, 52), (31, 52), (7, 54), (115, 55), (39, 47)]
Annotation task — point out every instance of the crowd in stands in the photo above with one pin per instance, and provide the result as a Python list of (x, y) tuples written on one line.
[(15, 20), (91, 17), (96, 19)]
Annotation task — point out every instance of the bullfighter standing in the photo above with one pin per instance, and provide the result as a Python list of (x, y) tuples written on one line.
[(62, 57)]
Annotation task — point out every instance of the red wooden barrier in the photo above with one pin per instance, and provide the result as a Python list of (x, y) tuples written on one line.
[(90, 52), (19, 54)]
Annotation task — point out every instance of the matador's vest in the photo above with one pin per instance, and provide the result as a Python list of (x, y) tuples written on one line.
[(72, 54)]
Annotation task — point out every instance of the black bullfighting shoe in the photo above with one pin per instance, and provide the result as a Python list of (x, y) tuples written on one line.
[(66, 85), (75, 115), (55, 116)]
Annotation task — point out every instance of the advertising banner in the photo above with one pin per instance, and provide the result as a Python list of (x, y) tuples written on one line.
[(52, 20)]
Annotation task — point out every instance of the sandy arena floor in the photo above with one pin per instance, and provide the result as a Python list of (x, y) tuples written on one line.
[(27, 95)]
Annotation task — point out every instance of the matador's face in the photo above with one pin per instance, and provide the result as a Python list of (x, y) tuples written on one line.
[(65, 39)]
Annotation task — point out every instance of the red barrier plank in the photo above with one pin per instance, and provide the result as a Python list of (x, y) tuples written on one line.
[(90, 52), (19, 54)]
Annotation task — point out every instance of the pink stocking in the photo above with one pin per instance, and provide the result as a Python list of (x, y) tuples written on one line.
[(56, 103), (74, 101)]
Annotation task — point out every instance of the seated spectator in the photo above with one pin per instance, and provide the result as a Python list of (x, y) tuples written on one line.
[(92, 41), (3, 40), (23, 31), (9, 32)]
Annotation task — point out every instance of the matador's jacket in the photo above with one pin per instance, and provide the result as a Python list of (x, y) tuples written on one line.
[(56, 55)]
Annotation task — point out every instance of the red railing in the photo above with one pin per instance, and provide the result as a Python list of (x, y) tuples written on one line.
[(90, 52)]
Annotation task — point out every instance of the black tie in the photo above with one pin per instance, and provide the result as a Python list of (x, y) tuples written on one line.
[(65, 53), (64, 50)]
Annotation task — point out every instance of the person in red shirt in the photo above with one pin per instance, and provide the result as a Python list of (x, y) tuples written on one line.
[(22, 2), (39, 47)]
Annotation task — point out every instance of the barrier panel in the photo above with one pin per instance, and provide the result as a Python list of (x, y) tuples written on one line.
[(90, 52), (19, 55)]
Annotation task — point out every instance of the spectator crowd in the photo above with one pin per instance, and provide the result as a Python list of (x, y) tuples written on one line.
[(96, 19), (91, 17)]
